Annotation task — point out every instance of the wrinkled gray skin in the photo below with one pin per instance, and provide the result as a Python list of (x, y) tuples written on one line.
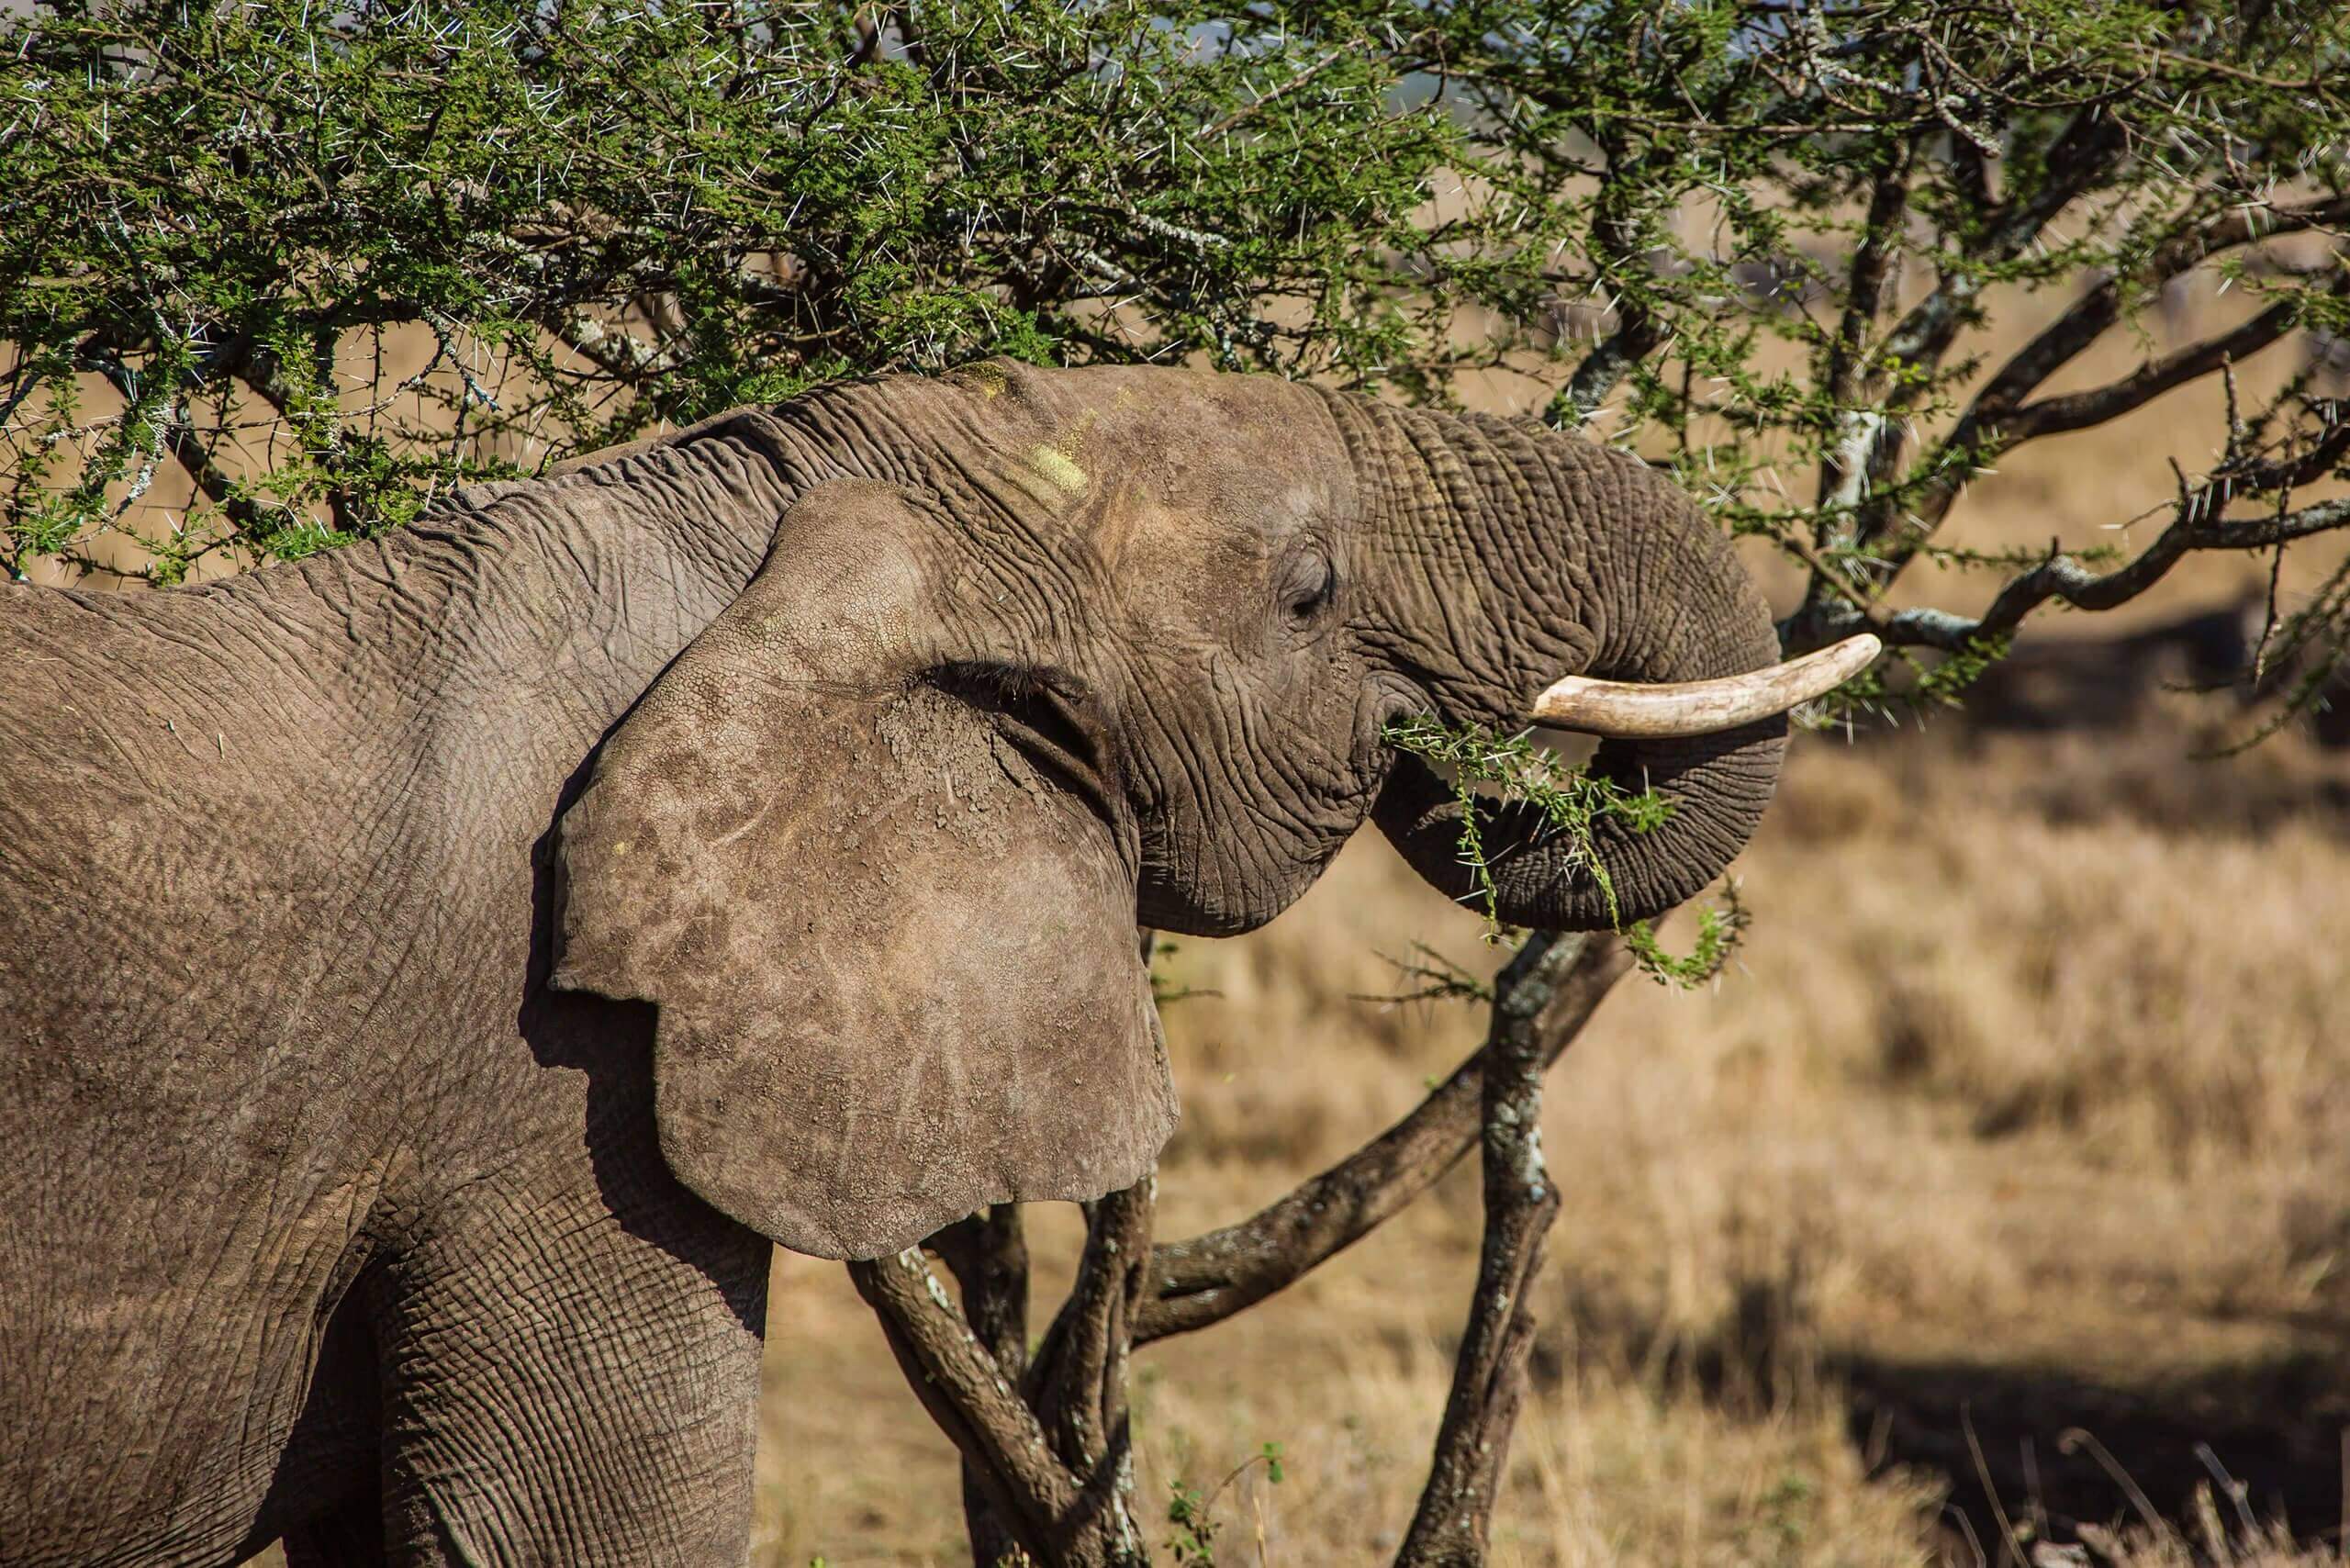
[(433, 974)]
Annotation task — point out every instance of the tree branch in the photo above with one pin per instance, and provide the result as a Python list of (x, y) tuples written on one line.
[(2079, 410), (2260, 533), (1844, 472), (2061, 577), (1617, 249), (988, 1254), (1922, 337), (1078, 1386), (1986, 429), (1207, 1278), (196, 459), (966, 1393), (1456, 1509), (2058, 344), (1874, 260)]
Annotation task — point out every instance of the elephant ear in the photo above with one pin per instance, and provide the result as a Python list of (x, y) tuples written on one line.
[(894, 961)]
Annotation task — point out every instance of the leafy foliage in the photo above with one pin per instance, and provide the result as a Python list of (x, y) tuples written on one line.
[(1573, 800), (406, 242), (328, 260), (1781, 231), (1191, 1513)]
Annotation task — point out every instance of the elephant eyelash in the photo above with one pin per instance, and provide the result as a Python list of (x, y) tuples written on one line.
[(992, 682)]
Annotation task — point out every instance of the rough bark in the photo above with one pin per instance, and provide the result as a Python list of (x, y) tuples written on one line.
[(1456, 1510), (987, 1255)]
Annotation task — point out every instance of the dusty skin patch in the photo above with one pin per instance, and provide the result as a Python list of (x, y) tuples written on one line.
[(1058, 460), (960, 769)]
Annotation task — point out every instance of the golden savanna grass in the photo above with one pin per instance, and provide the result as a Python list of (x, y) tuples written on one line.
[(1985, 1089)]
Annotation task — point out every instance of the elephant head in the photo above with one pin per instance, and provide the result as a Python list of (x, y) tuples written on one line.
[(1037, 656)]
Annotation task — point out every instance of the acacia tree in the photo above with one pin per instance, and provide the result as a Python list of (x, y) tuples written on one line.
[(1869, 175), (1761, 241), (223, 225)]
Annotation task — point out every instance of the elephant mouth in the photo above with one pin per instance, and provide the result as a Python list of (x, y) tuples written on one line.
[(1044, 715)]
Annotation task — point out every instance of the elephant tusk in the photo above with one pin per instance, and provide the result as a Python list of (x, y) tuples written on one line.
[(1620, 710)]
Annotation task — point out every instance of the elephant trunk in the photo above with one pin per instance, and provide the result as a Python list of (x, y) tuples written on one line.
[(1534, 556)]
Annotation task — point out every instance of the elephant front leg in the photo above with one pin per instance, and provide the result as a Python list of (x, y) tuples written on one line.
[(561, 1389)]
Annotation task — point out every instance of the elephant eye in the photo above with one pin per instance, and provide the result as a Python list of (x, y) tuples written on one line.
[(1312, 588)]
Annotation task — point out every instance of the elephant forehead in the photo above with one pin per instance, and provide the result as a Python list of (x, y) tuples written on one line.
[(1243, 442), (1157, 551)]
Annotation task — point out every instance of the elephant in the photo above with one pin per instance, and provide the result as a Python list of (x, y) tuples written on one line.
[(438, 971)]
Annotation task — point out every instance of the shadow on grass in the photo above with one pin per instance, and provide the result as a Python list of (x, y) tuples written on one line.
[(2046, 1448), (2275, 1428)]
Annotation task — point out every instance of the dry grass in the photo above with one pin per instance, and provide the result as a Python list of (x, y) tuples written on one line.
[(1989, 1088)]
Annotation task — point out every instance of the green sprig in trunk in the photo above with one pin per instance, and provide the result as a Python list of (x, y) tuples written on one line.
[(1574, 800)]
